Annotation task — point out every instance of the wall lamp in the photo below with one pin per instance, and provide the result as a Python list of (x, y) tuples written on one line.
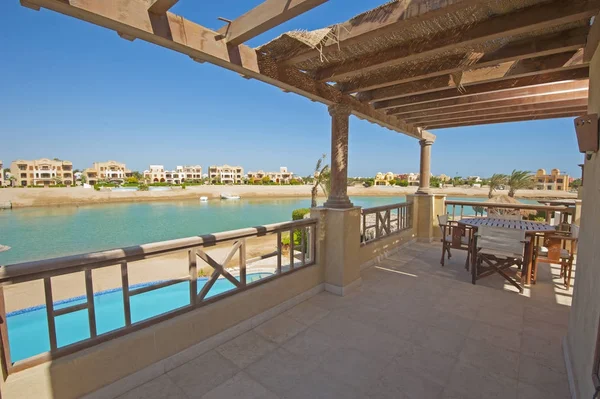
[(588, 134)]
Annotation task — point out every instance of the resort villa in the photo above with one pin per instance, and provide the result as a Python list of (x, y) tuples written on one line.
[(283, 176), (553, 181), (349, 302), (111, 171), (42, 172), (413, 179), (181, 174), (382, 179), (226, 174), (444, 178)]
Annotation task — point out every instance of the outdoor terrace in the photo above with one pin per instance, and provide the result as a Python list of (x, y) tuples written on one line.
[(412, 330)]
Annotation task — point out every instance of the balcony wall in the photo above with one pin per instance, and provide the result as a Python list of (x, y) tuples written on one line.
[(154, 350)]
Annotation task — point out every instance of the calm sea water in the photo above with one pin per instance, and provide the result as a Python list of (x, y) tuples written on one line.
[(39, 233)]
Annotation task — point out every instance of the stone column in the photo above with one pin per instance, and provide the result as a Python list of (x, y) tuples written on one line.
[(338, 196), (425, 169)]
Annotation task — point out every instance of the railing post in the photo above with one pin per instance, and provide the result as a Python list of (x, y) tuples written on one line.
[(193, 270), (6, 362), (89, 292), (243, 262), (125, 285), (50, 313)]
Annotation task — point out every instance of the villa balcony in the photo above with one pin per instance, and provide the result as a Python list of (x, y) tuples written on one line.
[(403, 327)]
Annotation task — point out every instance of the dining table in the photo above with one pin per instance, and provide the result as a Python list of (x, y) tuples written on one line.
[(531, 228)]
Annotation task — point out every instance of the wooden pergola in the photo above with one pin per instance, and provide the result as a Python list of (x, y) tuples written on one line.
[(408, 65)]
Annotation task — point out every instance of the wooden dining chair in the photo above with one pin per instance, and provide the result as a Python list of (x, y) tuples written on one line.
[(497, 250), (558, 247), (455, 236)]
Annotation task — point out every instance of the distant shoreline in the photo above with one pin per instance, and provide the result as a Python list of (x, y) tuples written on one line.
[(40, 197)]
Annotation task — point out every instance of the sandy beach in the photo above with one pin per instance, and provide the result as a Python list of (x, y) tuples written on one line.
[(26, 197)]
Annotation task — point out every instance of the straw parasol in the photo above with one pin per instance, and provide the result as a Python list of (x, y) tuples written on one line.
[(505, 199)]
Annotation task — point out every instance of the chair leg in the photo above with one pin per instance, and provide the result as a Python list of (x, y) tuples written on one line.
[(443, 253), (468, 259), (568, 273)]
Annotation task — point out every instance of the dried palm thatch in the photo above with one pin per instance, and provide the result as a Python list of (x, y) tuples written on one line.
[(412, 35), (505, 199)]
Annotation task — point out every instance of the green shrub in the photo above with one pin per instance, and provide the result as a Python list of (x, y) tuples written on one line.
[(298, 214), (143, 187), (403, 183)]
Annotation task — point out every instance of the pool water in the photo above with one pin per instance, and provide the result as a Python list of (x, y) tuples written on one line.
[(28, 328)]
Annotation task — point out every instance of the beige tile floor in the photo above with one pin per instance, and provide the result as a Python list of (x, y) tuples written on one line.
[(413, 330)]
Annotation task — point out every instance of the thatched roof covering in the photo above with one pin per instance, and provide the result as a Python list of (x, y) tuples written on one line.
[(452, 23), (505, 199)]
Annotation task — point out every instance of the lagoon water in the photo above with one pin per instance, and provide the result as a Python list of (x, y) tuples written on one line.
[(40, 233)]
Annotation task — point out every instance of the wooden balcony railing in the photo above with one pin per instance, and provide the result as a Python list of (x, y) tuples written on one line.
[(300, 255), (457, 210), (381, 221)]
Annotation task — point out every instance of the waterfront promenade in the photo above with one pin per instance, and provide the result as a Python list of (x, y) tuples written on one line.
[(25, 197)]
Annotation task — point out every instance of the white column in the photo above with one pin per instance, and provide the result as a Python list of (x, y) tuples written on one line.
[(425, 167)]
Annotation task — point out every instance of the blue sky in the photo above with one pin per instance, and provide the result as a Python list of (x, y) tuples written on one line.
[(78, 92)]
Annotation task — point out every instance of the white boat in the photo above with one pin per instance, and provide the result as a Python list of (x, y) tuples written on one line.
[(203, 199), (229, 196)]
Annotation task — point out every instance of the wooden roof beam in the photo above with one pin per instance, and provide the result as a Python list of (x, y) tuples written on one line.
[(593, 40), (541, 16), (576, 73), (263, 17), (561, 42), (162, 6), (488, 121), (508, 70), (131, 18), (447, 107), (491, 112), (398, 15)]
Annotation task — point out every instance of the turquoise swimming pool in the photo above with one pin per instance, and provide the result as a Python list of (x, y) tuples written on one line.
[(28, 328)]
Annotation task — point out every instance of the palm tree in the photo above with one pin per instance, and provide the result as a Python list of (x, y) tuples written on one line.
[(496, 180), (518, 180), (321, 180)]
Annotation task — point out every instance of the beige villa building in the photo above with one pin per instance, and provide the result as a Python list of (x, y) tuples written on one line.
[(553, 181), (226, 174), (283, 176), (42, 172), (181, 174), (111, 171), (384, 179)]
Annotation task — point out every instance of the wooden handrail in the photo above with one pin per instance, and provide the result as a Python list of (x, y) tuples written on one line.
[(385, 207), (196, 248), (26, 271), (510, 206)]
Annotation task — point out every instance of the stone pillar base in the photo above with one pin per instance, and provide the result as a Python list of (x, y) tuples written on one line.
[(426, 208), (339, 233), (338, 203), (342, 291)]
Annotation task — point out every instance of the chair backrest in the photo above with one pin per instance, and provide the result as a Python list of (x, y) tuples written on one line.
[(442, 220), (501, 239), (574, 231)]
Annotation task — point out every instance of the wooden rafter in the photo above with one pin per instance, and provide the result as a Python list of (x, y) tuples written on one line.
[(534, 18), (490, 88), (506, 71), (447, 107), (263, 17), (516, 110), (570, 40), (530, 117), (593, 41), (402, 14), (131, 18), (162, 6)]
